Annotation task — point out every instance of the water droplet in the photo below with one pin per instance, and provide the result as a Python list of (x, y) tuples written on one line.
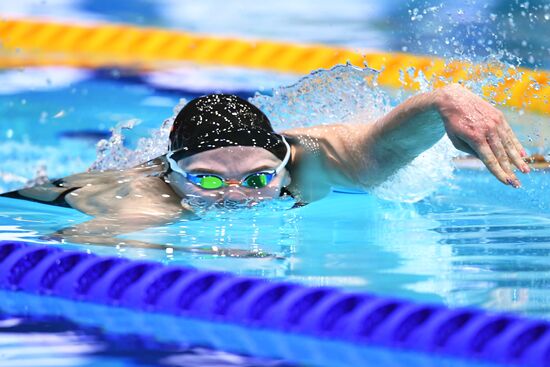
[(43, 117), (59, 114)]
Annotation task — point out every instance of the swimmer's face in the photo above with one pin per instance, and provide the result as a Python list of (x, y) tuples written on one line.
[(230, 163)]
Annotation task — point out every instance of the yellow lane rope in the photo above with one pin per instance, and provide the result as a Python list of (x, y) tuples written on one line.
[(27, 42)]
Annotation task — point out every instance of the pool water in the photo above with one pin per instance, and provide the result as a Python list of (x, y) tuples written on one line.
[(59, 342), (456, 246), (471, 242), (460, 240)]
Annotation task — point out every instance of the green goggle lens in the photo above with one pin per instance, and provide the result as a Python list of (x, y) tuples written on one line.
[(210, 182), (256, 181)]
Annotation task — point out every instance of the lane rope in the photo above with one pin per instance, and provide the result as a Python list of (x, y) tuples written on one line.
[(29, 42), (258, 303)]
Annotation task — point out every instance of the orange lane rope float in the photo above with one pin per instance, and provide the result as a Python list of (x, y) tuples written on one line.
[(27, 42)]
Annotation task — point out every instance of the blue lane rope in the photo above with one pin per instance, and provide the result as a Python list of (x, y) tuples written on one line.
[(282, 306), (119, 324)]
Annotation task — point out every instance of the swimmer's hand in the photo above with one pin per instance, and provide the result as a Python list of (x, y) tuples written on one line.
[(476, 127)]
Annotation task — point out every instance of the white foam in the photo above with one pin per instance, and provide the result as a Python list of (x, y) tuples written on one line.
[(112, 154), (25, 163), (39, 79), (340, 94), (220, 79)]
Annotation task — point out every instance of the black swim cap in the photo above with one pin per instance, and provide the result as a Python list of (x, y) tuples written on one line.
[(221, 120)]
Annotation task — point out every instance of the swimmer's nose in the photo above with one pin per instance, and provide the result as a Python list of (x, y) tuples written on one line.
[(232, 182), (234, 193)]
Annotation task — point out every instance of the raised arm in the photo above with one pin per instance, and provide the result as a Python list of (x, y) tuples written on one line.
[(364, 155), (473, 125)]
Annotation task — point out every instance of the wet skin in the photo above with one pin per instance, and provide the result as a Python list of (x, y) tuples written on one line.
[(358, 156)]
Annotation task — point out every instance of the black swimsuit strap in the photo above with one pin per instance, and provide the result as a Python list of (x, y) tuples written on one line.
[(58, 201)]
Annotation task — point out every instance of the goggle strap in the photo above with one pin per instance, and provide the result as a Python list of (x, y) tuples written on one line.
[(174, 165), (287, 157)]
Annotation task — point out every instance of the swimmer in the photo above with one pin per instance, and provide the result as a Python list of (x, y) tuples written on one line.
[(223, 150)]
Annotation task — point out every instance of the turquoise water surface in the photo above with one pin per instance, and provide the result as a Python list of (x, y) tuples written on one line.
[(432, 234), (471, 242)]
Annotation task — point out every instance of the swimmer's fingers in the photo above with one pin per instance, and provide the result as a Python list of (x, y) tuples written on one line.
[(519, 148), (485, 153), (513, 147), (516, 142), (501, 154), (507, 131)]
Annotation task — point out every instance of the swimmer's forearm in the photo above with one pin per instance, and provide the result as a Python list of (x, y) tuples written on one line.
[(408, 130)]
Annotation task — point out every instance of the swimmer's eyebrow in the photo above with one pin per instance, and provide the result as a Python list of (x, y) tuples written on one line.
[(198, 170), (265, 167), (203, 170)]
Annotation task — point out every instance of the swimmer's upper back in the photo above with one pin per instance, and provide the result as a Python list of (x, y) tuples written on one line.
[(140, 189)]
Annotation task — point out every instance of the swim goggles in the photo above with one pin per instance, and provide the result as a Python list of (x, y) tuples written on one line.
[(209, 181)]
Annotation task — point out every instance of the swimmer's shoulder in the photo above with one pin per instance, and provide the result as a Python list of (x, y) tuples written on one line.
[(154, 167), (305, 167), (140, 189), (325, 156), (107, 191), (139, 195)]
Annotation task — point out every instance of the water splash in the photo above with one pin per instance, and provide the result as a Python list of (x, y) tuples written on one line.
[(425, 174), (342, 93), (474, 30), (25, 164), (112, 154)]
